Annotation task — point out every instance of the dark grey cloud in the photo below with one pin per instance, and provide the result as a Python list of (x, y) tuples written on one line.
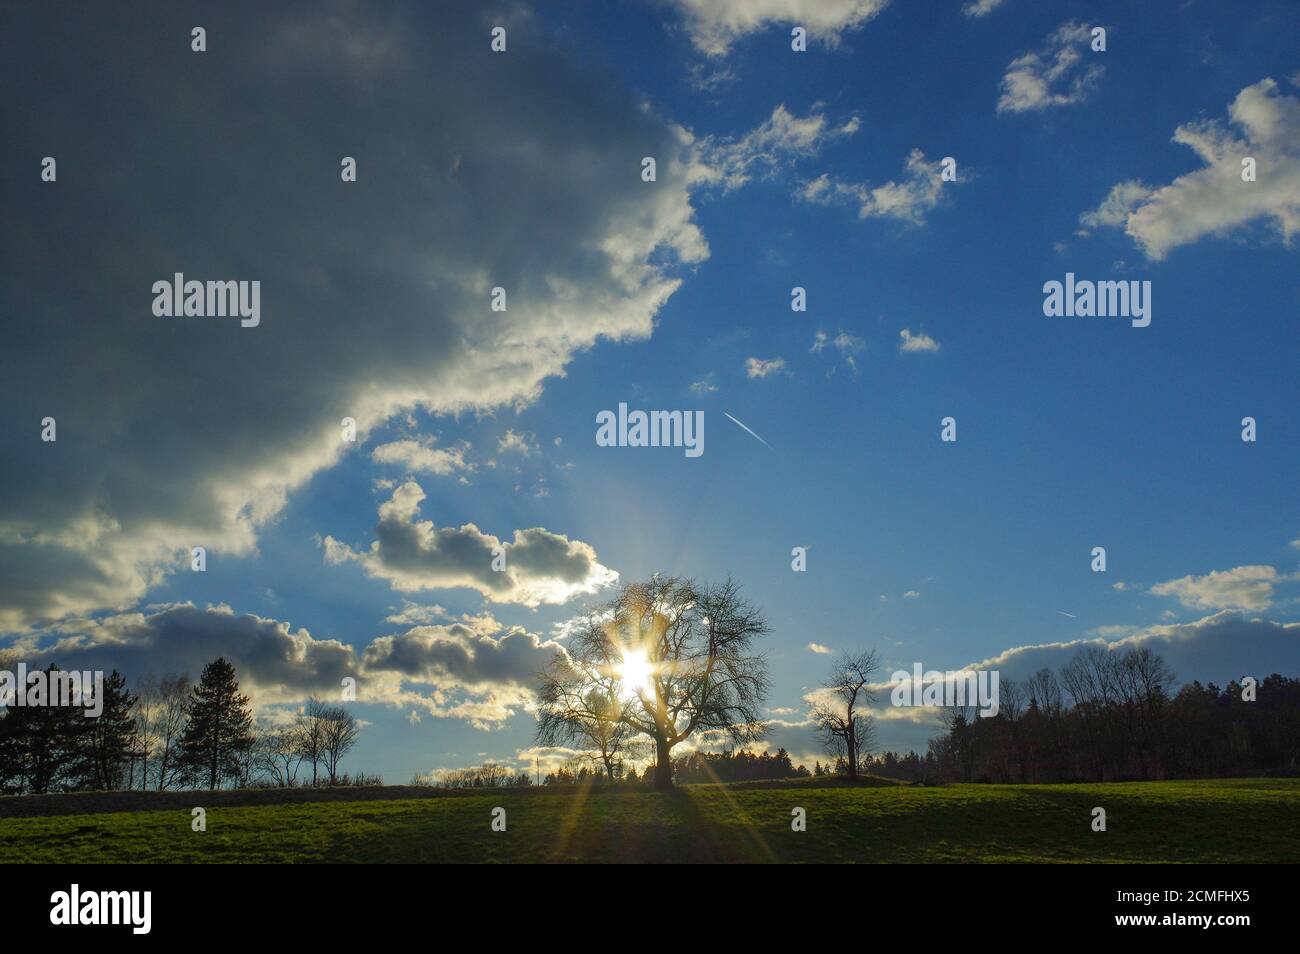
[(474, 668), (463, 654), (273, 659), (174, 432), (1209, 650)]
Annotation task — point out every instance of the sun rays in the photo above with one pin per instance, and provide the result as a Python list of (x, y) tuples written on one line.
[(635, 673)]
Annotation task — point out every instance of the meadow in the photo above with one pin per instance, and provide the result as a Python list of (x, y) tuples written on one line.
[(1220, 820)]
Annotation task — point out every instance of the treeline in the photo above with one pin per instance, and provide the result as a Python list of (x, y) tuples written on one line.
[(695, 767), (735, 767), (1107, 716), (171, 734)]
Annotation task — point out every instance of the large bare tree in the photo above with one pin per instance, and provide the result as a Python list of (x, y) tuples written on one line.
[(845, 729), (665, 659)]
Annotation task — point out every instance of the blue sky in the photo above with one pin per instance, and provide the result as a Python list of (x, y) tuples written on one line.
[(1072, 433)]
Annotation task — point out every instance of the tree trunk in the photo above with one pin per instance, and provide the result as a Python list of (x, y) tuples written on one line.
[(852, 748), (663, 767)]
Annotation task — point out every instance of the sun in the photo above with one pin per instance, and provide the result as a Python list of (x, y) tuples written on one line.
[(634, 673)]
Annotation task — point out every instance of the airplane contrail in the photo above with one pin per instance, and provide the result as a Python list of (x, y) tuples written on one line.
[(748, 431), (1062, 612)]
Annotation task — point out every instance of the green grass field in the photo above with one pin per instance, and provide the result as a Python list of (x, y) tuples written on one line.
[(1236, 820)]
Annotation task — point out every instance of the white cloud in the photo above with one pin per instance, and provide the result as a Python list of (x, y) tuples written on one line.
[(420, 456), (1263, 124), (1117, 206), (1109, 631), (917, 342), (1058, 74), (819, 649), (714, 25), (704, 385), (415, 555), (763, 367), (1245, 588), (704, 78), (848, 344), (912, 595), (413, 614), (981, 8), (776, 144), (908, 199), (510, 442)]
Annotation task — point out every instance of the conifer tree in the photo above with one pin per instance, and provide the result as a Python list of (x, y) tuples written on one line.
[(109, 736), (220, 724)]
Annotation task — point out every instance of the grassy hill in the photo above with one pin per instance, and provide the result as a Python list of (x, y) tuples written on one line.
[(1232, 820)]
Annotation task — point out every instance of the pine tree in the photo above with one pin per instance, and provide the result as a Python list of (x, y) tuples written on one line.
[(220, 724), (42, 746), (109, 736)]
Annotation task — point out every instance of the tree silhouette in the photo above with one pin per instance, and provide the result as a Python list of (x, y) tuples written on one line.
[(42, 747), (109, 737), (699, 671), (847, 732), (220, 724)]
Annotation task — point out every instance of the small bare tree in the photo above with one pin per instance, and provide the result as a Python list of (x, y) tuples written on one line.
[(845, 730), (340, 732), (160, 716), (1045, 693), (587, 712), (145, 715), (310, 735), (279, 755)]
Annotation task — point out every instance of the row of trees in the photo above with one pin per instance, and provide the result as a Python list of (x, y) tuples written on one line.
[(735, 767), (741, 766), (47, 748), (169, 734), (664, 661), (1108, 716), (1105, 715)]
